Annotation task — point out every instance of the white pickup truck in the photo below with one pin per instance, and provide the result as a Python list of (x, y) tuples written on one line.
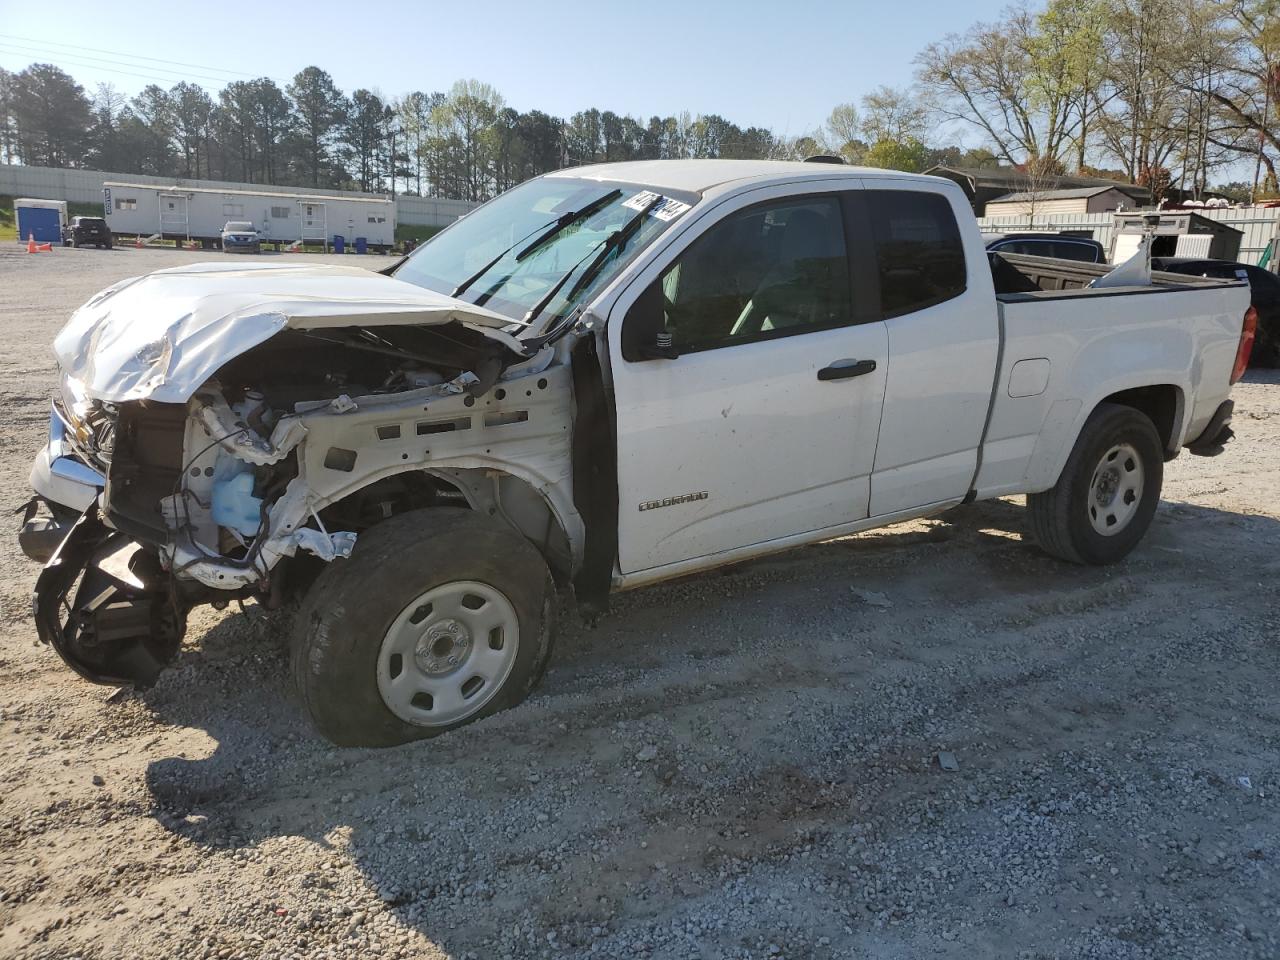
[(607, 377)]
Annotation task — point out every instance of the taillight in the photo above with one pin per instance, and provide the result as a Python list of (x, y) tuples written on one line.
[(1248, 333)]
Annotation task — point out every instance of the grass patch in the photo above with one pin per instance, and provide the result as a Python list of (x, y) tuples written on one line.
[(415, 231), (8, 223)]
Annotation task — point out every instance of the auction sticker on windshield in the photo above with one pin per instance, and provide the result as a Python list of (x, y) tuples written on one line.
[(668, 209)]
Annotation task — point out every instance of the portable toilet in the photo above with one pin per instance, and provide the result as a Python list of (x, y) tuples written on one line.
[(42, 219)]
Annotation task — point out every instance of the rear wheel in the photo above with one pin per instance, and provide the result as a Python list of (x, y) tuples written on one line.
[(439, 617), (1107, 494)]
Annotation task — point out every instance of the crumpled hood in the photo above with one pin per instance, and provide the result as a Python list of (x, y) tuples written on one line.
[(161, 336)]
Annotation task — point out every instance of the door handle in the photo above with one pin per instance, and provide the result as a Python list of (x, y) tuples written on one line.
[(844, 369)]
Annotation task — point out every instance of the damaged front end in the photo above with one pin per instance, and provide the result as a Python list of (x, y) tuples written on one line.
[(106, 606), (212, 491)]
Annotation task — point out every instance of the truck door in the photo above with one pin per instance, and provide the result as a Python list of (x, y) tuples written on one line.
[(939, 307), (760, 422)]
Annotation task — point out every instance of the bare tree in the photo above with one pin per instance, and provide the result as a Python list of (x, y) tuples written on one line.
[(1000, 79), (892, 113), (1040, 176)]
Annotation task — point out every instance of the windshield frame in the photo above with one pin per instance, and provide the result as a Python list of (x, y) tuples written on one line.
[(604, 277)]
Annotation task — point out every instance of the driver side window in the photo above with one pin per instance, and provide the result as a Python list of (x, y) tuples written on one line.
[(768, 271)]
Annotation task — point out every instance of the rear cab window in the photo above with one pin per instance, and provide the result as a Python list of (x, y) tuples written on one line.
[(918, 248)]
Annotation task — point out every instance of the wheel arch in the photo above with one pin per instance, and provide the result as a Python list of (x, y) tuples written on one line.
[(505, 493), (1163, 403)]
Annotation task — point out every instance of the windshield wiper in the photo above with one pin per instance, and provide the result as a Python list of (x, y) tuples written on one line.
[(547, 231), (567, 220), (613, 242)]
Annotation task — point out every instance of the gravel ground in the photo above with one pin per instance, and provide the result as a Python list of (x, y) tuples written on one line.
[(740, 764)]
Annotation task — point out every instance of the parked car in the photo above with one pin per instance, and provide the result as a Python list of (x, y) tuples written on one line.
[(241, 236), (607, 377), (87, 231), (1264, 291), (1057, 245)]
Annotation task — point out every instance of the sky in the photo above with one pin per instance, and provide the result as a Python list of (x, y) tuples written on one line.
[(781, 65)]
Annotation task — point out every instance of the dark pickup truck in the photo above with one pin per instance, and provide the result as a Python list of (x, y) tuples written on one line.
[(86, 231)]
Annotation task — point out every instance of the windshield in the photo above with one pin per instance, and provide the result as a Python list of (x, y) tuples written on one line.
[(238, 225), (493, 247)]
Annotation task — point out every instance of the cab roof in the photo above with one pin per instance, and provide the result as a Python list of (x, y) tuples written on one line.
[(698, 176)]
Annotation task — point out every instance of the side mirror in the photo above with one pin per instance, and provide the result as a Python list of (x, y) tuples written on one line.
[(644, 329)]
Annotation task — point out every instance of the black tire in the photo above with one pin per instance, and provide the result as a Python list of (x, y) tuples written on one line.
[(1060, 517), (75, 243), (340, 627)]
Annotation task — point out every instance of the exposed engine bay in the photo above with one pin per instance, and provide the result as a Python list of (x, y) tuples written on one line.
[(276, 463)]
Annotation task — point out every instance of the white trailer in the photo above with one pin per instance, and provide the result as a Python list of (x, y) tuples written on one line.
[(199, 214)]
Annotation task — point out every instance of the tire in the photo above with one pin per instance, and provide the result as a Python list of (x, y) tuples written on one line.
[(1108, 492), (454, 571)]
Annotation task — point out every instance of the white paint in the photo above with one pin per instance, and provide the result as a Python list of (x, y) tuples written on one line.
[(941, 362), (1029, 378), (161, 336)]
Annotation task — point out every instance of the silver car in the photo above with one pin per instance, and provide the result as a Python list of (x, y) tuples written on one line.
[(241, 236)]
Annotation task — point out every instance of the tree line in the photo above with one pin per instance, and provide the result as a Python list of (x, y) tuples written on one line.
[(1160, 92), (465, 143)]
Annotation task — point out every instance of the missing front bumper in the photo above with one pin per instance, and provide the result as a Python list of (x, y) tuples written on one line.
[(104, 605)]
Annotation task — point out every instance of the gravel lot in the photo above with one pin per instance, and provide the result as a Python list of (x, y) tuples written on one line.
[(734, 765)]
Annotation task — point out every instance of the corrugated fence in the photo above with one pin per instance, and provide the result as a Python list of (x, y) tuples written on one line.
[(85, 186), (1260, 225)]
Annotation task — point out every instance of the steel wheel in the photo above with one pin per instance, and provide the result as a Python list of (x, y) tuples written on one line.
[(448, 653), (1115, 490)]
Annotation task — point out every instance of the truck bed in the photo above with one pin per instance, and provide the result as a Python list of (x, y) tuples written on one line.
[(1065, 347), (1020, 277)]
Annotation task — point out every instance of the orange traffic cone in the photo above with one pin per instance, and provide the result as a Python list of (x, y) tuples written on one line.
[(138, 243), (31, 243), (45, 248)]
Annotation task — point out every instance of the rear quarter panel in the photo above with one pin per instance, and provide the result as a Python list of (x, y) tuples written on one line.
[(1097, 344)]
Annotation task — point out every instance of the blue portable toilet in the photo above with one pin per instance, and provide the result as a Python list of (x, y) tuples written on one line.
[(339, 243), (362, 244), (42, 219)]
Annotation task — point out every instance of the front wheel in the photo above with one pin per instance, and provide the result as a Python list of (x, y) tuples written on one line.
[(1107, 494), (439, 617)]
